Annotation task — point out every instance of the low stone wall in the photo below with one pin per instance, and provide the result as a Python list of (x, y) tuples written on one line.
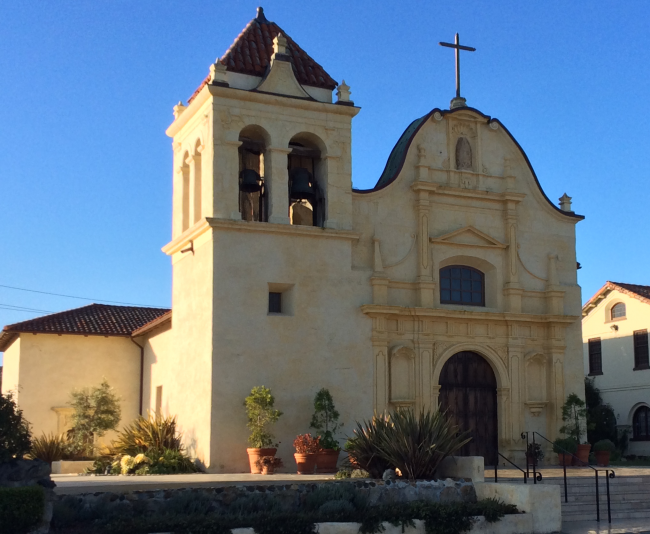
[(71, 467), (291, 497), (22, 473)]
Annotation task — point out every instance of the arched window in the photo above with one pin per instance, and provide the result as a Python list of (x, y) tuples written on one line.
[(252, 186), (464, 285), (641, 424), (618, 311)]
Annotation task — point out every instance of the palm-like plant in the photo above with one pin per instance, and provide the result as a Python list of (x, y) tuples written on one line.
[(155, 432), (49, 447), (413, 444)]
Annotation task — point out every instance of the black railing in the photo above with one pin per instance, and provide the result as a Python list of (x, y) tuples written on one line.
[(526, 474), (609, 473)]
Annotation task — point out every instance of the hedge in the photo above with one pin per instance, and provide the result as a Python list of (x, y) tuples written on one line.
[(21, 509)]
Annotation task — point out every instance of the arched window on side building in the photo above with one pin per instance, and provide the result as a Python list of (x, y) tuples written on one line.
[(618, 311)]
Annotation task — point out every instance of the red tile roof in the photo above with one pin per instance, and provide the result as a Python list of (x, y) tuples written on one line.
[(636, 291), (252, 50), (91, 320)]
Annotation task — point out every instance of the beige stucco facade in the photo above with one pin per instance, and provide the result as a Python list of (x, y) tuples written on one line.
[(623, 386), (42, 370), (361, 297)]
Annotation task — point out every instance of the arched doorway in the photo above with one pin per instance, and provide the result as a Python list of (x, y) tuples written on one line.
[(468, 392)]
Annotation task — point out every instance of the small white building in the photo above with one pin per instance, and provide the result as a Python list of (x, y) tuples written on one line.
[(615, 336)]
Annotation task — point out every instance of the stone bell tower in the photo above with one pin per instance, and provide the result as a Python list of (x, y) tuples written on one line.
[(262, 171)]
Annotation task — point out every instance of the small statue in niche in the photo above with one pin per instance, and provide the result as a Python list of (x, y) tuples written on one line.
[(463, 154)]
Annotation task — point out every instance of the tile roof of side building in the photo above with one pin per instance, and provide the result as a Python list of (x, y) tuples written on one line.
[(91, 320), (636, 291), (251, 54)]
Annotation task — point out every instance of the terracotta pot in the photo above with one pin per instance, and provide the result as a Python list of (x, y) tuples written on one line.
[(268, 469), (326, 461), (564, 459), (602, 458), (305, 462), (582, 454), (256, 454)]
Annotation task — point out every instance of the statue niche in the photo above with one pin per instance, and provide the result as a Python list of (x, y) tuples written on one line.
[(463, 154)]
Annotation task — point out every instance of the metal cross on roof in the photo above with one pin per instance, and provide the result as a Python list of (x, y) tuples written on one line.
[(456, 45)]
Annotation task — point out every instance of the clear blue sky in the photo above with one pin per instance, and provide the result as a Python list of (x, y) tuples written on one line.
[(88, 87)]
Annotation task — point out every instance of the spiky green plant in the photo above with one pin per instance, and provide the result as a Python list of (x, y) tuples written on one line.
[(49, 447), (413, 444), (154, 432)]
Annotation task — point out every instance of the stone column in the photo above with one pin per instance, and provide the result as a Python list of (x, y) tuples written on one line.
[(225, 162), (512, 288), (277, 182), (381, 396), (554, 419), (516, 400), (424, 373), (177, 222), (435, 397), (503, 413)]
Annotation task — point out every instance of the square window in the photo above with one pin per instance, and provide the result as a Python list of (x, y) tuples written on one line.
[(275, 302)]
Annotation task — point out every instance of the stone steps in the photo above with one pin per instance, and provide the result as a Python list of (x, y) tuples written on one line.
[(629, 497)]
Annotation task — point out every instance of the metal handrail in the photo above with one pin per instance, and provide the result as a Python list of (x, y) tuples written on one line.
[(609, 473), (496, 465)]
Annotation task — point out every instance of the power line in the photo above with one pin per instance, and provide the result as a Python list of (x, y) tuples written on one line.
[(80, 298), (11, 307)]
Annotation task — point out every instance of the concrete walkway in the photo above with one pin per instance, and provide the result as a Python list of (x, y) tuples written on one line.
[(621, 526)]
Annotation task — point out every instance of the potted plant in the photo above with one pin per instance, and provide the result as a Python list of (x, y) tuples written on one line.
[(574, 414), (261, 414), (307, 448), (325, 421), (603, 449), (267, 464), (534, 454), (565, 447)]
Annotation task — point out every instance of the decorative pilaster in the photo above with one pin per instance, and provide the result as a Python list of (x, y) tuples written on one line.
[(435, 397), (554, 419), (554, 293), (503, 411), (512, 290), (277, 182), (426, 285), (424, 363), (379, 280), (516, 401)]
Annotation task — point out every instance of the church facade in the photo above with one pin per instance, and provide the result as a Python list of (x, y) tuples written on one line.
[(452, 283)]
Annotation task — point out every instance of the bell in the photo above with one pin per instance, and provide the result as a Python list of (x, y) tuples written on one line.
[(302, 185), (250, 181)]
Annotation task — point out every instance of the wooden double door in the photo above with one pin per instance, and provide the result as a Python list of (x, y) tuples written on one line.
[(468, 393)]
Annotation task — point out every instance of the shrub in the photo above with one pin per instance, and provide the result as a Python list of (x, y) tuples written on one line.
[(21, 509), (535, 451), (96, 411), (154, 432), (604, 445), (401, 440), (565, 446), (574, 414), (269, 461), (49, 447), (325, 419), (169, 462), (261, 414), (306, 444), (15, 435)]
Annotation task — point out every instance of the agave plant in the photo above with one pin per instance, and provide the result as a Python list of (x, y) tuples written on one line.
[(49, 447), (155, 432), (413, 444)]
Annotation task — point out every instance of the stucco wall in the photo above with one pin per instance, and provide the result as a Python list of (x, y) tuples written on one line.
[(157, 369), (621, 386), (11, 368), (51, 366)]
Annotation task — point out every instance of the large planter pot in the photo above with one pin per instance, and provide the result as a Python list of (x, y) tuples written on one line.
[(305, 463), (582, 454), (256, 454), (602, 458), (326, 461), (564, 459)]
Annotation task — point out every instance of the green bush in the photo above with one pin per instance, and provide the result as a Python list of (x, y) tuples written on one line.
[(261, 414), (325, 420), (604, 445), (15, 435), (21, 509), (401, 440), (565, 446), (169, 462)]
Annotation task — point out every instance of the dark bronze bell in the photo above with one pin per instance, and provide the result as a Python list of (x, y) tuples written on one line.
[(302, 185), (250, 181)]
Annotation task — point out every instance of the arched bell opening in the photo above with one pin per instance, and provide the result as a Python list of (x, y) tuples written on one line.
[(253, 204), (306, 179)]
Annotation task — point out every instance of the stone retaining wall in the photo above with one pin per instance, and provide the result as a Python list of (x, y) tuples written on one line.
[(291, 497)]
